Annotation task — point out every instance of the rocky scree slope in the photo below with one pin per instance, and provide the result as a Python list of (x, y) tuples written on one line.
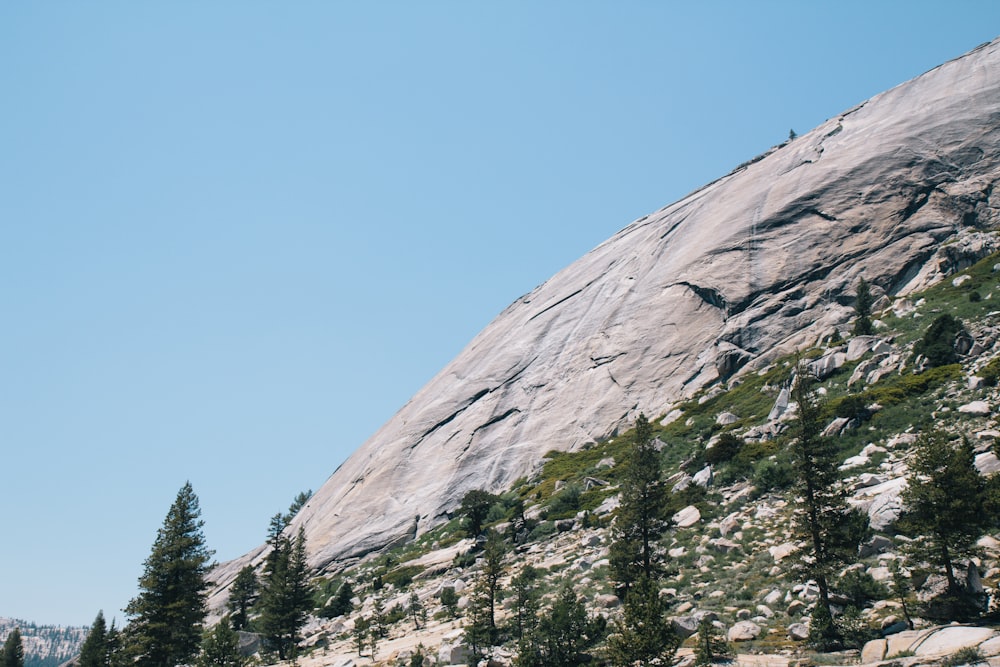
[(747, 268)]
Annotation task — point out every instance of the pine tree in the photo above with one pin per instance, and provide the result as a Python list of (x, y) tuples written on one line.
[(526, 594), (475, 508), (171, 606), (946, 501), (13, 650), (641, 519), (493, 569), (95, 651), (286, 594), (417, 611), (221, 647), (863, 310), (363, 636), (566, 631), (831, 531), (711, 647), (644, 635), (242, 595)]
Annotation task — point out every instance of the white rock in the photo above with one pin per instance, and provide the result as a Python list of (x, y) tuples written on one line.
[(975, 408), (782, 551), (744, 631), (687, 517)]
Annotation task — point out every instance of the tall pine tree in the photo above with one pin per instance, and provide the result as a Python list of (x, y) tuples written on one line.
[(641, 518), (286, 594), (242, 595), (12, 654), (946, 501), (830, 529), (168, 613), (95, 651)]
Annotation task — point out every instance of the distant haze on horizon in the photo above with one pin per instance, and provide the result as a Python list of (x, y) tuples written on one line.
[(237, 238)]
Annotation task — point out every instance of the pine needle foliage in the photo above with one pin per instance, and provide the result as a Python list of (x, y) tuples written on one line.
[(168, 613)]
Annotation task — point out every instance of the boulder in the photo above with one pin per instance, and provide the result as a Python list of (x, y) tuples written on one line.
[(607, 601), (976, 408), (987, 463), (952, 638), (457, 653), (744, 631), (687, 517), (703, 477), (726, 418), (684, 626), (782, 551), (799, 632), (873, 651)]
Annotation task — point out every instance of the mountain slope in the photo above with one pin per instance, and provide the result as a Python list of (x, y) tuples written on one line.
[(746, 268)]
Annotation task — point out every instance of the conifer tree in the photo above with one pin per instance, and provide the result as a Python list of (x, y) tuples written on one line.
[(242, 595), (493, 569), (12, 654), (946, 501), (221, 647), (863, 310), (417, 611), (711, 647), (566, 631), (831, 531), (641, 519), (95, 651), (526, 594), (286, 594), (171, 606), (644, 635)]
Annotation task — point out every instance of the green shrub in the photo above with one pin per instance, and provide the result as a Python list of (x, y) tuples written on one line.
[(401, 577), (860, 588), (938, 343), (970, 655), (724, 449), (991, 372)]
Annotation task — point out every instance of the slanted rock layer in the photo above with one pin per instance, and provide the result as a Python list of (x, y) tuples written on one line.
[(747, 268)]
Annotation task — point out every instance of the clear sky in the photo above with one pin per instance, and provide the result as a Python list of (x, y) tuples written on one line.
[(236, 237)]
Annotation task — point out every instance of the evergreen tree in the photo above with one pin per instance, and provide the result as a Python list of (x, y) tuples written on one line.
[(95, 651), (711, 647), (493, 569), (297, 504), (286, 594), (641, 518), (449, 598), (946, 502), (526, 595), (340, 604), (475, 508), (863, 310), (566, 632), (938, 342), (221, 647), (242, 595), (13, 650), (644, 635), (363, 636), (479, 632), (831, 531), (171, 606), (417, 611)]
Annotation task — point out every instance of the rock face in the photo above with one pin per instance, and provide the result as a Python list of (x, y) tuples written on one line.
[(747, 268)]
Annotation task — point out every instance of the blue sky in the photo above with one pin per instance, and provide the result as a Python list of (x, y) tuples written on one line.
[(236, 237)]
